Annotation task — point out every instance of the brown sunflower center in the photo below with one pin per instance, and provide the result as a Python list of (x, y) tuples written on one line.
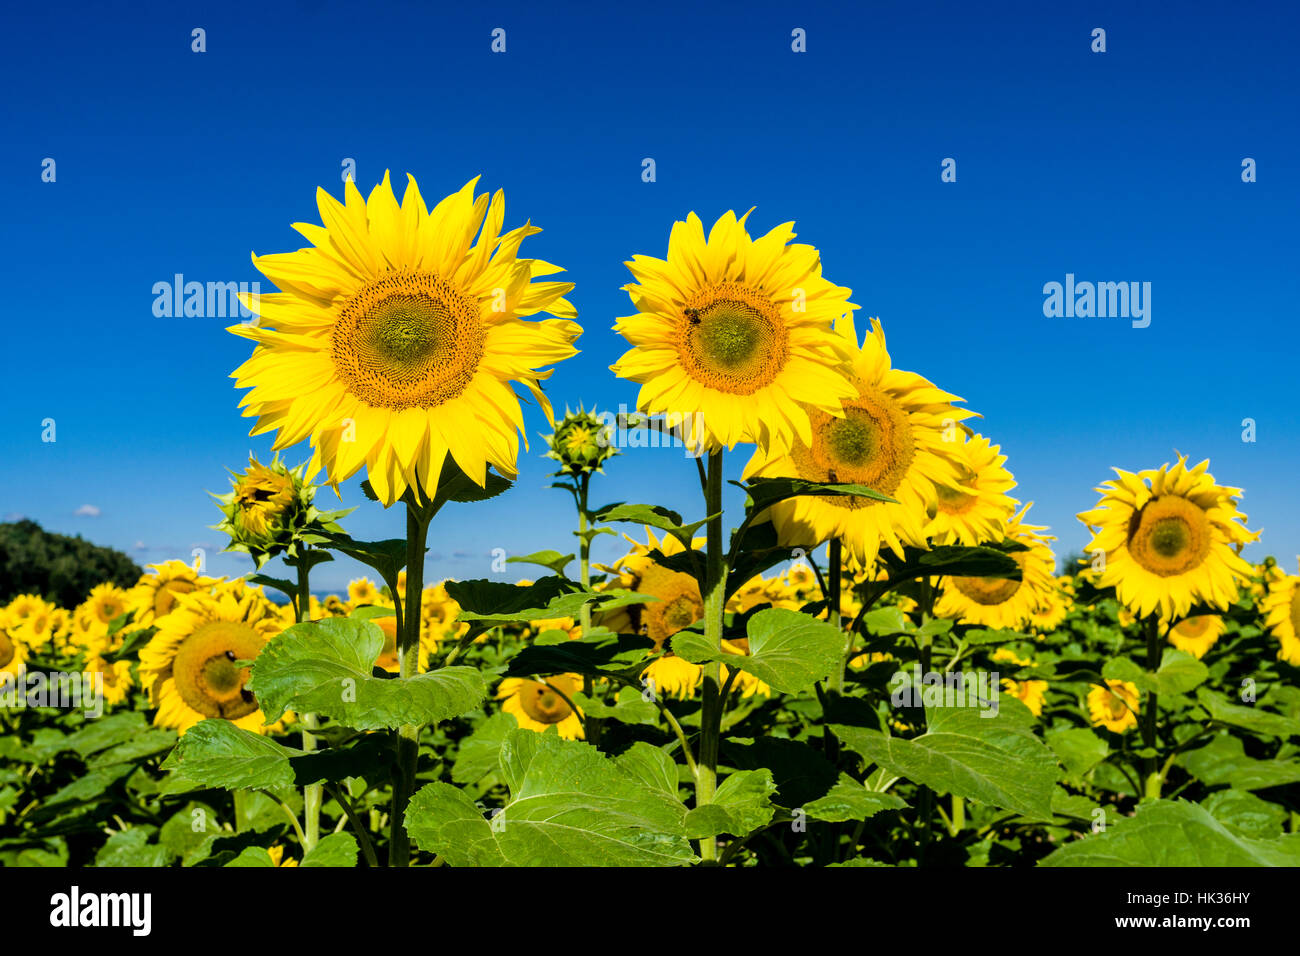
[(1194, 626), (1295, 610), (991, 591), (871, 445), (205, 672), (953, 502), (542, 703), (7, 649), (408, 340), (1169, 536), (679, 604), (731, 338)]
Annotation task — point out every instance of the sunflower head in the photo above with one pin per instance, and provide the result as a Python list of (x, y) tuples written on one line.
[(1171, 538), (894, 434), (193, 667), (734, 334), (154, 595), (396, 337), (541, 705), (270, 511), (1008, 602), (582, 443)]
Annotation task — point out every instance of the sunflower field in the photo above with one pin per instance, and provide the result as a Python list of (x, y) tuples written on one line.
[(879, 661)]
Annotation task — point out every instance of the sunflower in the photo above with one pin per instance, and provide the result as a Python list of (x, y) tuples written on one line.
[(735, 333), (541, 705), (1197, 634), (1281, 610), (396, 334), (116, 676), (154, 595), (1115, 709), (37, 623), (1171, 538), (976, 508), (362, 591), (679, 605), (262, 494), (891, 438), (1050, 611), (13, 657), (105, 603), (1005, 602), (189, 666), (1031, 693)]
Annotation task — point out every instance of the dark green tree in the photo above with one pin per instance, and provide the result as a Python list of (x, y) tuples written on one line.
[(60, 568)]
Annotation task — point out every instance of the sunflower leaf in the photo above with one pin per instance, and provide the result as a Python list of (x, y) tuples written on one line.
[(765, 492), (216, 753), (741, 805), (1254, 719), (998, 760), (850, 800), (386, 557), (326, 667), (551, 560), (656, 517), (598, 654), (1174, 833), (569, 806)]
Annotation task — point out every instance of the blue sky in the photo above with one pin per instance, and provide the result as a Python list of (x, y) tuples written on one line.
[(1115, 166)]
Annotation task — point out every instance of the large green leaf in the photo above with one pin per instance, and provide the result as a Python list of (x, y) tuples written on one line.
[(954, 560), (216, 753), (1254, 719), (1224, 761), (655, 517), (553, 561), (1246, 814), (326, 667), (742, 804), (1174, 833), (569, 806), (788, 650), (337, 849), (598, 653), (765, 492), (850, 800), (995, 760), (1078, 748)]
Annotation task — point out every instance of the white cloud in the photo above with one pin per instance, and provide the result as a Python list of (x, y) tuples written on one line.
[(87, 511)]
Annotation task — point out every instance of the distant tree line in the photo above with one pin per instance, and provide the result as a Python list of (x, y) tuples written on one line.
[(60, 568)]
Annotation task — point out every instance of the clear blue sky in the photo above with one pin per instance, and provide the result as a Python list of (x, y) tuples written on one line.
[(1122, 166)]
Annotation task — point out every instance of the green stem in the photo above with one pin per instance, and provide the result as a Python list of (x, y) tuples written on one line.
[(591, 727), (1150, 776), (408, 652), (715, 585), (363, 836), (311, 793), (836, 572)]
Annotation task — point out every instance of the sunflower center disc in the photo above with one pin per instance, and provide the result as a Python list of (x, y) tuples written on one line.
[(7, 649), (1194, 626), (205, 673), (1169, 536), (990, 591), (408, 340), (732, 339), (871, 445), (542, 703)]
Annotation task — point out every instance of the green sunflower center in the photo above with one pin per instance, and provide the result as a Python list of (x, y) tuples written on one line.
[(732, 339), (991, 591), (679, 613), (408, 340), (852, 441), (871, 445)]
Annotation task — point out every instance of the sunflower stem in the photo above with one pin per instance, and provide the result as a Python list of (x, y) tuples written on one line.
[(715, 584), (408, 651), (592, 725), (1150, 776), (835, 558), (312, 792)]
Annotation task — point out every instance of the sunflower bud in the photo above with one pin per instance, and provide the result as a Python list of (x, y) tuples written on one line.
[(582, 443), (269, 511)]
